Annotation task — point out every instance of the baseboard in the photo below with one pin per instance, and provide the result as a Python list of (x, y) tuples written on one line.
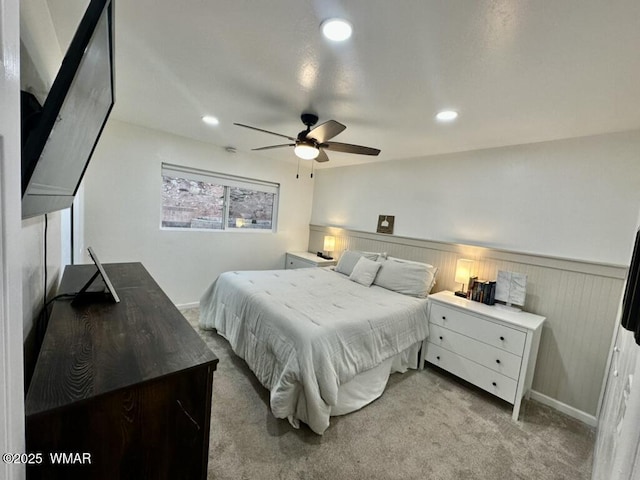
[(573, 412), (187, 306)]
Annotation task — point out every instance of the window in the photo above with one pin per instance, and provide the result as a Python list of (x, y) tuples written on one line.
[(198, 199)]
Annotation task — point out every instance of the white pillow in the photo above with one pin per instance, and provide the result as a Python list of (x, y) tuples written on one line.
[(349, 258), (430, 270), (365, 271), (406, 277)]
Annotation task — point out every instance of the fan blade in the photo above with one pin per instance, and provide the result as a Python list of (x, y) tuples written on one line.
[(265, 131), (348, 148), (326, 131), (275, 146), (322, 157)]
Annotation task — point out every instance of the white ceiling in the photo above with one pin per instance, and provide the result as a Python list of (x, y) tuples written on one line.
[(518, 71)]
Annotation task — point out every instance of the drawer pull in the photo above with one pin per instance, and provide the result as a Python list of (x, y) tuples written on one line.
[(494, 384), (438, 357), (440, 337), (497, 360), (444, 317), (502, 339)]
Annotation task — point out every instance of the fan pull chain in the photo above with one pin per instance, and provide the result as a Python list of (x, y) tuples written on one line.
[(313, 162), (298, 171)]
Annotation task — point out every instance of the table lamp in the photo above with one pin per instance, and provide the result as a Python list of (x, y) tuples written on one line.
[(329, 246), (463, 272)]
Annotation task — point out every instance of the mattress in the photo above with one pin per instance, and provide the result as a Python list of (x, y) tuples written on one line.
[(306, 332)]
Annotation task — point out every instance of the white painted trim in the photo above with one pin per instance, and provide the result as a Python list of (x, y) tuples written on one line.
[(564, 408), (187, 306), (12, 438), (605, 379)]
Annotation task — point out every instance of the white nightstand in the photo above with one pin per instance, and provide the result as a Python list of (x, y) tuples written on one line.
[(493, 347), (305, 260)]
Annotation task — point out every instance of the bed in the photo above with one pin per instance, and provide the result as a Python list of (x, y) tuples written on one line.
[(323, 342)]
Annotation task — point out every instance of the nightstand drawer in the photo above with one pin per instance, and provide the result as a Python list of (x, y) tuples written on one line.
[(485, 378), (489, 356), (488, 332), (306, 260), (295, 262)]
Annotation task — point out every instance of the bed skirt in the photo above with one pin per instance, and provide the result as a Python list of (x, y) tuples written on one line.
[(365, 387)]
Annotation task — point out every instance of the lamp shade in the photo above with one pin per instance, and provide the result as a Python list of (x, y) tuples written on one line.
[(463, 270), (329, 243)]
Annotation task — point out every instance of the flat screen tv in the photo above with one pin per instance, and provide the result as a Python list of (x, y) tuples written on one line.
[(59, 138), (630, 318)]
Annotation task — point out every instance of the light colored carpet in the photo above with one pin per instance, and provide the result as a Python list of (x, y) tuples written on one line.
[(427, 425)]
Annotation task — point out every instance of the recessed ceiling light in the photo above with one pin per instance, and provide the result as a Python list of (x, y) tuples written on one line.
[(447, 115), (210, 120), (336, 29)]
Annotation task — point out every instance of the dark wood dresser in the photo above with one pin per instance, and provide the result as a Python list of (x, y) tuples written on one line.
[(124, 389)]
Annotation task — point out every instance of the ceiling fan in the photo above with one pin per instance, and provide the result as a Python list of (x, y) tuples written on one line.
[(311, 144)]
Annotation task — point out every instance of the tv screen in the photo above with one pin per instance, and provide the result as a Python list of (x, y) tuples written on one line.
[(630, 318), (62, 136)]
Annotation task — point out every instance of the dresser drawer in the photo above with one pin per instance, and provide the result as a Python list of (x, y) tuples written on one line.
[(485, 378), (488, 332), (491, 357)]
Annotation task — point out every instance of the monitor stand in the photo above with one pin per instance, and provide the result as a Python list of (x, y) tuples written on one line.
[(85, 295)]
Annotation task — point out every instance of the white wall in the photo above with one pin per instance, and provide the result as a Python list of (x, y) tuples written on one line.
[(122, 193), (575, 198), (32, 241)]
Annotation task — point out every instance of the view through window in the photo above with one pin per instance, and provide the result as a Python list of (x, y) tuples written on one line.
[(197, 199)]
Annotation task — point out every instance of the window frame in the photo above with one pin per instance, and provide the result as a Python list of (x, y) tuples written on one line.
[(227, 181)]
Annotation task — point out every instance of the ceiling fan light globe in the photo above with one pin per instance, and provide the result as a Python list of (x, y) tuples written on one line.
[(306, 152)]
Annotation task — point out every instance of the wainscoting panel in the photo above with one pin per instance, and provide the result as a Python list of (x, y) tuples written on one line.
[(579, 299)]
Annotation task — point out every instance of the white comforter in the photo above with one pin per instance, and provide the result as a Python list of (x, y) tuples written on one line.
[(305, 332)]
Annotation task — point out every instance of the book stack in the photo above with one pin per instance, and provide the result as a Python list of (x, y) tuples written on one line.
[(482, 291)]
